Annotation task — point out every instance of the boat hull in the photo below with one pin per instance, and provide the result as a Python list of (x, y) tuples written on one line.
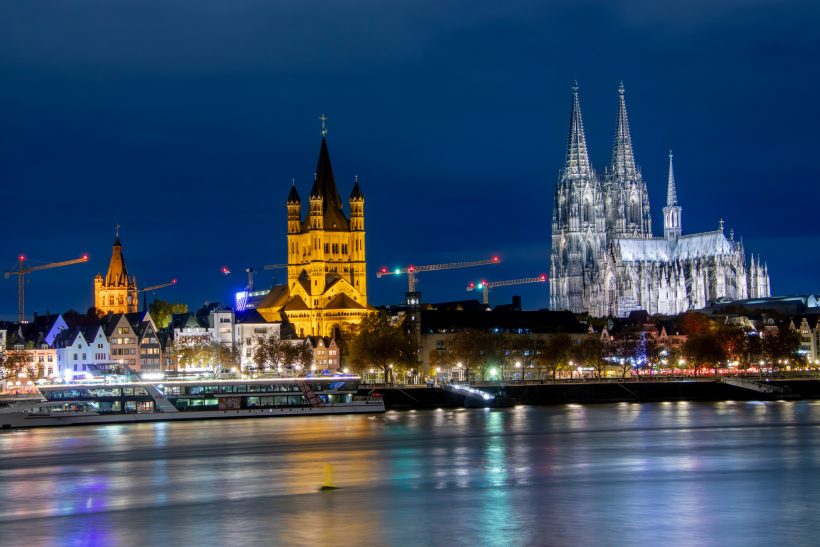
[(16, 420)]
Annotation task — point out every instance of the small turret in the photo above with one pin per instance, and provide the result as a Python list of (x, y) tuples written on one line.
[(294, 210), (356, 207), (672, 211)]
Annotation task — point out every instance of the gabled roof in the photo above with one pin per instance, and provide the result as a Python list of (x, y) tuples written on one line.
[(276, 298), (295, 304), (187, 321), (343, 302), (68, 337), (250, 316)]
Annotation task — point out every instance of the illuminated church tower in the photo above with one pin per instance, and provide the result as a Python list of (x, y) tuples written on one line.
[(116, 292), (327, 267)]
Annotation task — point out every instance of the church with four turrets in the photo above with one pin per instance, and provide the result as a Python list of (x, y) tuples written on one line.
[(605, 260), (327, 266)]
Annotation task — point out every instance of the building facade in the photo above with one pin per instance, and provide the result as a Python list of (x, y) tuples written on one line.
[(605, 260), (327, 266), (116, 292)]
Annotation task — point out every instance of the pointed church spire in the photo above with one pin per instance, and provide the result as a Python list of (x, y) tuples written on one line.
[(577, 163), (293, 197), (623, 159), (324, 184), (117, 274), (671, 193)]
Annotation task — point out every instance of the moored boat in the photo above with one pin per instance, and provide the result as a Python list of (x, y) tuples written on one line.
[(98, 403)]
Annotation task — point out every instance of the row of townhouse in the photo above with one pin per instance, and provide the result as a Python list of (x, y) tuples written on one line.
[(243, 333), (72, 346)]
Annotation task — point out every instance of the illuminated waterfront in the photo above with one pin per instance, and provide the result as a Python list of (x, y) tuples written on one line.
[(639, 474)]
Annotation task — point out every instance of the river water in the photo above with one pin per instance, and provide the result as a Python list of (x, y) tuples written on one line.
[(732, 473)]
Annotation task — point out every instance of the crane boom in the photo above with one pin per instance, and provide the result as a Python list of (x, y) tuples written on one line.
[(145, 290), (485, 286), (412, 270), (21, 272)]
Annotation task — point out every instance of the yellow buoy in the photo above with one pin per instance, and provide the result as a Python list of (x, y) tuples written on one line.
[(328, 482)]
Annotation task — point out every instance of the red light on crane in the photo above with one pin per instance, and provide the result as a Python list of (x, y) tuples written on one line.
[(411, 268), (225, 270), (21, 258), (85, 257), (496, 259), (174, 281), (542, 277), (383, 269)]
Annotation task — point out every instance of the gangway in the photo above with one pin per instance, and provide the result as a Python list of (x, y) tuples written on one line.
[(472, 397), (162, 403), (312, 398), (761, 387)]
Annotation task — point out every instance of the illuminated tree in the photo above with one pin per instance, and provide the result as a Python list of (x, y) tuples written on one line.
[(380, 344), (162, 310)]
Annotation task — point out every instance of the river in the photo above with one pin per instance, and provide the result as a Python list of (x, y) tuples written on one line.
[(731, 473)]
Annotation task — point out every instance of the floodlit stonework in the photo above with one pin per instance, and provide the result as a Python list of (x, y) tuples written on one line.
[(605, 260)]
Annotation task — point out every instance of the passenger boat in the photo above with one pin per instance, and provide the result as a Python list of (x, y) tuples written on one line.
[(102, 403)]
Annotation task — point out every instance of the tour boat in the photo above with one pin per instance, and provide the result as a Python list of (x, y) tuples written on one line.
[(102, 403)]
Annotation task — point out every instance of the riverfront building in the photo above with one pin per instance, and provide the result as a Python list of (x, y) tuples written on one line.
[(605, 259), (327, 266)]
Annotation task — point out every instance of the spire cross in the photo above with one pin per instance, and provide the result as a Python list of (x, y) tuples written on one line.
[(324, 129), (293, 181), (117, 231)]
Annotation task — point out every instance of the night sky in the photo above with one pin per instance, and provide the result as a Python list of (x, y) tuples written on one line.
[(185, 121)]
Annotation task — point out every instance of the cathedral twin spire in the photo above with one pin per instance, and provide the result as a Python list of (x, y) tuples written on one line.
[(577, 163), (623, 159)]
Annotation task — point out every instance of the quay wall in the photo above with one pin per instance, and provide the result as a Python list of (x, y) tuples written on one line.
[(423, 397)]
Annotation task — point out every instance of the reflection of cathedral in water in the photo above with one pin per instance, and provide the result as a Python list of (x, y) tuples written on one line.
[(605, 260)]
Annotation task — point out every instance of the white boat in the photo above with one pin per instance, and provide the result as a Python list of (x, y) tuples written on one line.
[(101, 403)]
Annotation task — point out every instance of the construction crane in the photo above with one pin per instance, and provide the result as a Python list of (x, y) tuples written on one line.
[(274, 267), (251, 272), (21, 272), (411, 270), (484, 286), (145, 291)]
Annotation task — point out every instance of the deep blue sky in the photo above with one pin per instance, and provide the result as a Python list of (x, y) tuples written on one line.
[(185, 121)]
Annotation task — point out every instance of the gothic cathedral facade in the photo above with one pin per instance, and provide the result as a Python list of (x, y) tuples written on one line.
[(605, 260)]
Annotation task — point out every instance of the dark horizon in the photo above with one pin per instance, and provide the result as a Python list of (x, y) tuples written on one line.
[(186, 124)]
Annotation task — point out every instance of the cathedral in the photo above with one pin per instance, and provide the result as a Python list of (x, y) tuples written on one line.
[(327, 269), (605, 261), (116, 292)]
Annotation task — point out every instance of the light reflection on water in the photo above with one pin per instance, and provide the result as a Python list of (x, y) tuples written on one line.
[(635, 474)]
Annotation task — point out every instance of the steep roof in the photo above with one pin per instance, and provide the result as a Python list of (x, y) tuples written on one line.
[(295, 304), (343, 302), (663, 250), (293, 197), (117, 275), (324, 186), (623, 158), (577, 161)]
